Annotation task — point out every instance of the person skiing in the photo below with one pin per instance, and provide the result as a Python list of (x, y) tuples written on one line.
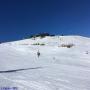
[(87, 52), (38, 53)]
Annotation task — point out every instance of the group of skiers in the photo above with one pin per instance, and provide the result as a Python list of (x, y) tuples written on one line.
[(38, 54)]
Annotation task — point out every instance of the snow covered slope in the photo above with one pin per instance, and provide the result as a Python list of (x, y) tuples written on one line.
[(57, 68)]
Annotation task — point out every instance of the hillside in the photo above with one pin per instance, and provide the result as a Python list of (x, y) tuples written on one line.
[(64, 63)]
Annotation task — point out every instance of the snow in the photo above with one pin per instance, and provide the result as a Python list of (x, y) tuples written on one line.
[(61, 68)]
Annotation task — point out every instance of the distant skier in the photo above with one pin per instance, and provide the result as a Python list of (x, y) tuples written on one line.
[(87, 52), (38, 54)]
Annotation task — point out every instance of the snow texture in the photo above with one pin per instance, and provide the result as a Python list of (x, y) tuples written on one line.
[(57, 68)]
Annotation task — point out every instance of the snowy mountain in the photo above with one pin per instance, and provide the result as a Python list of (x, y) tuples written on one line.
[(64, 63)]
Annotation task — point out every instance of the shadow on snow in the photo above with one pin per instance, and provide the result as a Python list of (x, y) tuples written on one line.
[(16, 70)]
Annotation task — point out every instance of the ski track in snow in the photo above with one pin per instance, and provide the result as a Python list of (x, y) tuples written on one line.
[(33, 84)]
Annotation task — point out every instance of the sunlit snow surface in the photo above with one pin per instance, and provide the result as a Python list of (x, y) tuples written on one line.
[(57, 68)]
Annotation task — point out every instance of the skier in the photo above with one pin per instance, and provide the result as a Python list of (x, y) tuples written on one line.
[(87, 52), (38, 53)]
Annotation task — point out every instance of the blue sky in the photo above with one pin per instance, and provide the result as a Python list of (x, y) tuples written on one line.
[(19, 18)]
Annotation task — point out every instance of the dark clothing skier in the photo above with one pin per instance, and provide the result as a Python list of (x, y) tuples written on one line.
[(38, 54)]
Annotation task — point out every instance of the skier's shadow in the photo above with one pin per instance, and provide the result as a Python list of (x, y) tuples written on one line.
[(16, 70)]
